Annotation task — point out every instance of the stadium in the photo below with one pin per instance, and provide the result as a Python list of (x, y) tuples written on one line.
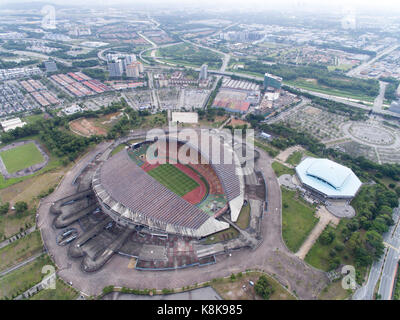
[(165, 196), (328, 179)]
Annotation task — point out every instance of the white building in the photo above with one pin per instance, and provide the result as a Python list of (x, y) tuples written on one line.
[(11, 124)]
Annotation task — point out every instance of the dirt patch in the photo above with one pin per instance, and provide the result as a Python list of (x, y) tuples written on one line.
[(238, 122), (86, 127), (285, 154), (111, 117)]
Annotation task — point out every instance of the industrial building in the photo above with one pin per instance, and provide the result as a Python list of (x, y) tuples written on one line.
[(272, 81)]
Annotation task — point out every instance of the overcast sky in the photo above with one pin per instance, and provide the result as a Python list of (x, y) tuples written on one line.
[(358, 5)]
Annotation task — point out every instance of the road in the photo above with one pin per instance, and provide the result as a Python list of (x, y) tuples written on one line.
[(381, 96), (19, 265), (225, 60), (392, 241), (386, 266), (356, 71)]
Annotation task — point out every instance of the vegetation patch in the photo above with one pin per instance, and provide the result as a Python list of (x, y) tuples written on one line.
[(244, 217), (237, 287), (297, 219), (224, 235), (281, 169), (20, 250), (21, 157), (356, 241), (61, 292), (20, 280)]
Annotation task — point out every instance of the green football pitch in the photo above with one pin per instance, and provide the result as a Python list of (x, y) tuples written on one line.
[(174, 179), (21, 157)]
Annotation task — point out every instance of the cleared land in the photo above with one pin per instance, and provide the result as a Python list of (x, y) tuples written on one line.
[(61, 292), (86, 127), (21, 157), (297, 220), (23, 278), (20, 250), (234, 290), (173, 179)]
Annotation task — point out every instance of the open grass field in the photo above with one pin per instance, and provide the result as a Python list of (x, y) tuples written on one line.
[(21, 157), (173, 179), (187, 54), (234, 290), (61, 292), (54, 163), (297, 219), (303, 84), (20, 250), (281, 169), (23, 278)]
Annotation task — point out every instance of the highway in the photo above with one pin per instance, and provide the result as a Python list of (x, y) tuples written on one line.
[(386, 267), (392, 241), (356, 71)]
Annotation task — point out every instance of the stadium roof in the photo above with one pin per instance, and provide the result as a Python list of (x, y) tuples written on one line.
[(133, 194), (328, 177)]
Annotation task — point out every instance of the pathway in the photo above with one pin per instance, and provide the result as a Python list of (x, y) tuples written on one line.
[(325, 218)]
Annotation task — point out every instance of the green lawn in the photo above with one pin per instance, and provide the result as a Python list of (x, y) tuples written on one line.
[(223, 235), (23, 278), (295, 158), (297, 219), (281, 169), (61, 292), (20, 250), (54, 163), (21, 157), (174, 179)]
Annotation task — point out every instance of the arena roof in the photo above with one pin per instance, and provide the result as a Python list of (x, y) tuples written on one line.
[(328, 177)]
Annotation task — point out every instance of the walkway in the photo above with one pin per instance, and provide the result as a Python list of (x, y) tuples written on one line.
[(325, 218)]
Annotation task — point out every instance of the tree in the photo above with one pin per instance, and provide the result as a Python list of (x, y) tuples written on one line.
[(264, 288), (21, 206), (327, 237), (4, 208)]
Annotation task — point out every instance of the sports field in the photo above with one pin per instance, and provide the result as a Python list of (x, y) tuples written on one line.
[(21, 157), (173, 179)]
